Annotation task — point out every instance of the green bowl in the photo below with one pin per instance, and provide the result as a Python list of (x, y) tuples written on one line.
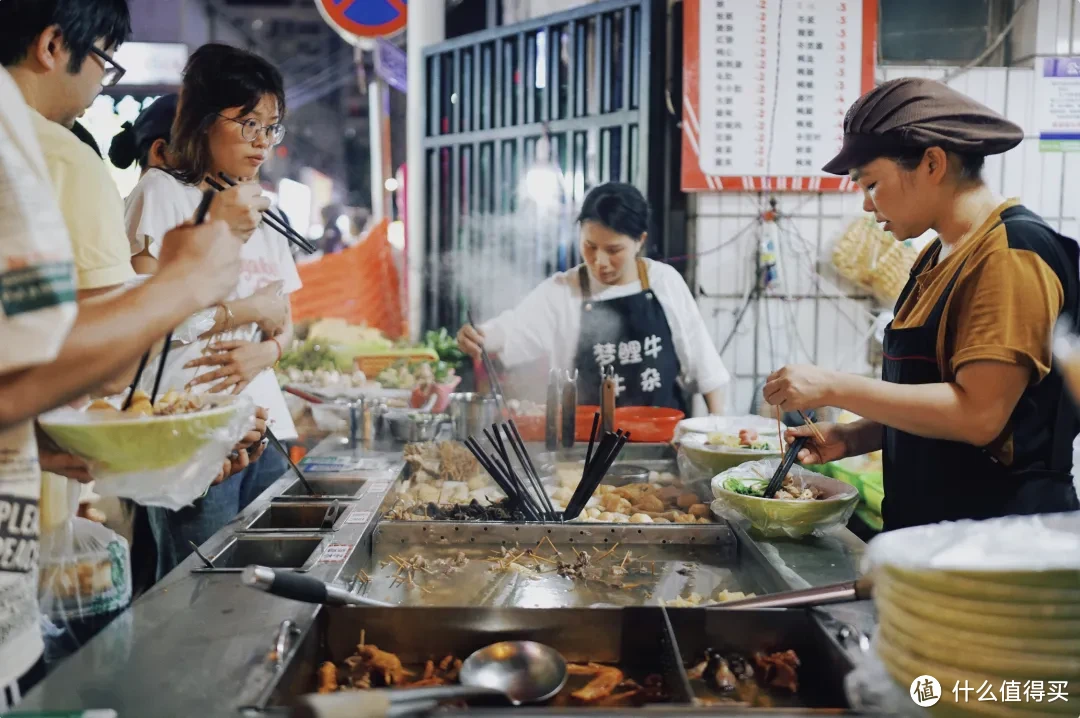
[(789, 517), (125, 445)]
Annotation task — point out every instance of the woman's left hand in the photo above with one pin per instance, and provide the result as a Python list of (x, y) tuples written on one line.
[(799, 387), (239, 363)]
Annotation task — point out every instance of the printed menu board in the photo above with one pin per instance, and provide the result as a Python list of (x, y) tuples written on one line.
[(766, 87)]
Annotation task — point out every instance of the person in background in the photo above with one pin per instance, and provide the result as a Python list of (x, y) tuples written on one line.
[(970, 419), (146, 140), (618, 311), (228, 119), (52, 353)]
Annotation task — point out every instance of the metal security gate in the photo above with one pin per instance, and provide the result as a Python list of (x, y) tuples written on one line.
[(521, 122)]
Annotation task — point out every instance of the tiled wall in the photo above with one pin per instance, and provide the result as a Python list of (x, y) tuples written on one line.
[(823, 320)]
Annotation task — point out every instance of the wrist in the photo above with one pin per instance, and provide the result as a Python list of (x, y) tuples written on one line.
[(274, 349), (837, 388)]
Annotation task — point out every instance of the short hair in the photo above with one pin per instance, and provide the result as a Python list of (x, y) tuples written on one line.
[(969, 169), (619, 207), (81, 22), (216, 78)]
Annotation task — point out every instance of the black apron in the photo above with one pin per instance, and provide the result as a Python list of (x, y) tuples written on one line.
[(932, 480), (632, 336)]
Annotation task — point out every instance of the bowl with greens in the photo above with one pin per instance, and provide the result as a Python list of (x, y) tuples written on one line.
[(807, 502)]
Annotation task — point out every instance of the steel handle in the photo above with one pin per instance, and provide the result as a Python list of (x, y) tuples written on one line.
[(285, 631), (818, 596), (298, 587)]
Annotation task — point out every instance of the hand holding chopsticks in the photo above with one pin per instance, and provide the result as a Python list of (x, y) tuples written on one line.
[(489, 369), (269, 217)]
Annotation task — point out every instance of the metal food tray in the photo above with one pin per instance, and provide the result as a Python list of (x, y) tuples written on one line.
[(672, 561), (637, 640)]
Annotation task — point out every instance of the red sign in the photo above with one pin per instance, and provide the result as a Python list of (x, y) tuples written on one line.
[(366, 18)]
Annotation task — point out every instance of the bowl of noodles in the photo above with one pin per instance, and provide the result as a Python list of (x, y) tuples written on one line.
[(146, 437), (806, 503), (730, 446)]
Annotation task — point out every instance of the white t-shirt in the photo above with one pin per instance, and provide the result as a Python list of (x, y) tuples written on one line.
[(160, 202), (37, 309), (548, 321)]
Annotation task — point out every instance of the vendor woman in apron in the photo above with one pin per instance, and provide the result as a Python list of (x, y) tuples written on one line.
[(971, 419), (617, 312)]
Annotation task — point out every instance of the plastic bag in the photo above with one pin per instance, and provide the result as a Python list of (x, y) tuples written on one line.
[(167, 461), (84, 580), (785, 517), (193, 327)]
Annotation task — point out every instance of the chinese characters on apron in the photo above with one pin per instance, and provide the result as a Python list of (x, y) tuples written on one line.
[(632, 336)]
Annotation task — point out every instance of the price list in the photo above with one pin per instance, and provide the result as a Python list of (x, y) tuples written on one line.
[(776, 78)]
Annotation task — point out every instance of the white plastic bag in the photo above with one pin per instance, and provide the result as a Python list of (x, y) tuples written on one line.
[(167, 461), (84, 580)]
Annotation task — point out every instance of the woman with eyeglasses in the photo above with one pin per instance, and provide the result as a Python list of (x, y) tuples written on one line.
[(228, 119)]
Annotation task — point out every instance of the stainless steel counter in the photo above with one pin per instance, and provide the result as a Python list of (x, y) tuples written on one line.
[(201, 644)]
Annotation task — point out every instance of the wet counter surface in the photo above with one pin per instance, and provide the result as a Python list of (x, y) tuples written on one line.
[(201, 644)]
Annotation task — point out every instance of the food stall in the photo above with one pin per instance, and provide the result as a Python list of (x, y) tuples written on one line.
[(632, 606)]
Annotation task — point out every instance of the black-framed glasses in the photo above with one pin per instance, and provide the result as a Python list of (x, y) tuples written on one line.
[(250, 129), (113, 70)]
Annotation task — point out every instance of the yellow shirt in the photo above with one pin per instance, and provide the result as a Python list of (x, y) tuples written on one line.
[(91, 204)]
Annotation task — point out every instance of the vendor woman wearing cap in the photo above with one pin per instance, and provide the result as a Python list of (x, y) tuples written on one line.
[(970, 418), (618, 311)]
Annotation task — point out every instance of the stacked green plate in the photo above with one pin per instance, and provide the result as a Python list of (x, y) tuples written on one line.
[(992, 605)]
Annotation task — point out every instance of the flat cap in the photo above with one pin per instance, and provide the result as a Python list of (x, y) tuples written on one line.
[(914, 113)]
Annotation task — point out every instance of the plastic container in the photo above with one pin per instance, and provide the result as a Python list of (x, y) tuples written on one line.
[(648, 424)]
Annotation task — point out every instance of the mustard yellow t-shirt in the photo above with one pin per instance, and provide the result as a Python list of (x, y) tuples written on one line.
[(1010, 289), (91, 204)]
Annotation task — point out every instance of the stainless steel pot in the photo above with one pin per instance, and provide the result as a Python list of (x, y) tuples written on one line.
[(409, 427), (471, 413)]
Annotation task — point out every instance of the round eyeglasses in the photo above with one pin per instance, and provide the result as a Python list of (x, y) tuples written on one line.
[(251, 129)]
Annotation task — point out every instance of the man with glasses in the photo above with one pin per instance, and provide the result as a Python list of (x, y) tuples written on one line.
[(59, 54)]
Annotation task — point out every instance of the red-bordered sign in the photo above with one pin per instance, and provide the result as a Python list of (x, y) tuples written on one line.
[(366, 18), (747, 80)]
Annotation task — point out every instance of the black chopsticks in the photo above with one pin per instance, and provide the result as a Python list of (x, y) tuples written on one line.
[(528, 494), (596, 467), (489, 368), (270, 218), (782, 470), (200, 217)]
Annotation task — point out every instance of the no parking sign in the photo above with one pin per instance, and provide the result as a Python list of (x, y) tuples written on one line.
[(364, 18)]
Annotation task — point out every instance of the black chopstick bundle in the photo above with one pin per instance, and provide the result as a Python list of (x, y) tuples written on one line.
[(514, 436), (497, 471), (782, 470), (596, 467), (271, 220)]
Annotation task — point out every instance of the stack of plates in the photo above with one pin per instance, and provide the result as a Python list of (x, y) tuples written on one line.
[(991, 606)]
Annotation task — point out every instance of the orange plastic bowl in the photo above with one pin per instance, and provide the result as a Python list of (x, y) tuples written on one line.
[(531, 427), (583, 422), (648, 424)]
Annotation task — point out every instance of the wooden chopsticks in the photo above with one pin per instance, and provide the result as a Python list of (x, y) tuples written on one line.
[(818, 436), (489, 368), (270, 218)]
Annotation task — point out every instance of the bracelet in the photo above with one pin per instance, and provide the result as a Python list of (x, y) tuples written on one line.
[(229, 318), (277, 345)]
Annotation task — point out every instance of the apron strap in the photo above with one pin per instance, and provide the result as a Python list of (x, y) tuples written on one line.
[(643, 274), (583, 281)]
